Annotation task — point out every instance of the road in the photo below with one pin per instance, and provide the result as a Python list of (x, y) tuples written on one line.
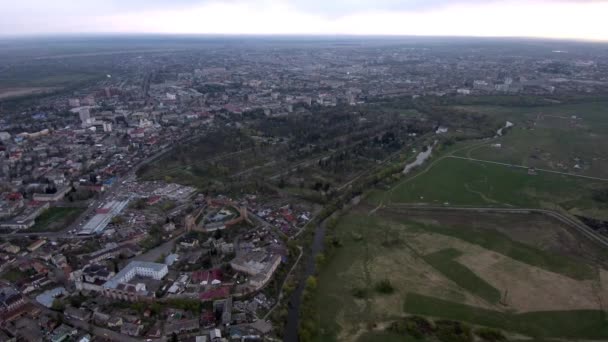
[(155, 253), (280, 296), (526, 167), (582, 228)]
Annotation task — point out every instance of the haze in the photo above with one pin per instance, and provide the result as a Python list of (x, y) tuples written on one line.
[(548, 18)]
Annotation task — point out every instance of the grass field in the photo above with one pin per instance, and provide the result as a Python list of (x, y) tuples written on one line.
[(549, 137), (590, 324), (377, 336), (463, 182), (55, 219), (443, 261), (522, 286), (13, 275)]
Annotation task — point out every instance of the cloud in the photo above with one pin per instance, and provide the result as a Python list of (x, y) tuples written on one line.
[(539, 18)]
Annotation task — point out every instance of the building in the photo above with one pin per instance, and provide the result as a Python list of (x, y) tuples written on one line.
[(119, 287), (48, 297), (102, 218), (37, 244), (131, 329), (91, 277), (63, 333), (10, 299), (57, 196), (77, 313), (183, 326), (85, 116), (259, 265)]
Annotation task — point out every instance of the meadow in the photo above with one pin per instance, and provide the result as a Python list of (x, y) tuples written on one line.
[(472, 273), (452, 181), (568, 138)]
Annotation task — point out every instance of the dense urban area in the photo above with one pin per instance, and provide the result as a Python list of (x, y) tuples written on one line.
[(302, 188)]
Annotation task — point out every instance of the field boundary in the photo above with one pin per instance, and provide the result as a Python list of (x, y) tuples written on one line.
[(527, 168), (579, 226)]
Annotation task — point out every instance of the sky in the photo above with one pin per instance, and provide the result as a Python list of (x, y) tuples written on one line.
[(570, 19)]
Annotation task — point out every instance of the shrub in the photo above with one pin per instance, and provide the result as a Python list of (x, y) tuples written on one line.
[(384, 287), (452, 331), (490, 335), (359, 293)]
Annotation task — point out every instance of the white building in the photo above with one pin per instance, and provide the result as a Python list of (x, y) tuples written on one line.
[(104, 215), (85, 116), (119, 287)]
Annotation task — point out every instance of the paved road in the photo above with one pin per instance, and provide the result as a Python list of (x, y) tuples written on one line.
[(582, 228), (280, 296), (526, 167)]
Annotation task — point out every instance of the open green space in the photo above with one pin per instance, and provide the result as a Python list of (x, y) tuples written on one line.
[(500, 243), (376, 336), (443, 261), (56, 219), (568, 138), (14, 275), (463, 182), (584, 324), (428, 265)]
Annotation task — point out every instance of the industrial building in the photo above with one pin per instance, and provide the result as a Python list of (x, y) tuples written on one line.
[(104, 215)]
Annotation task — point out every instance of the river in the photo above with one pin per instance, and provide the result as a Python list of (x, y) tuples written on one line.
[(507, 125), (293, 317), (420, 159)]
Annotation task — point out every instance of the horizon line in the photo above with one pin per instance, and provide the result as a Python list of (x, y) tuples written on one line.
[(283, 35)]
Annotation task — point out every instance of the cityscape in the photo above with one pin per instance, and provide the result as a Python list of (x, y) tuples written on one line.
[(303, 188)]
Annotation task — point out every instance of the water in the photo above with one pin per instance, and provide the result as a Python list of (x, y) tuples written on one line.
[(420, 159), (507, 125), (293, 317)]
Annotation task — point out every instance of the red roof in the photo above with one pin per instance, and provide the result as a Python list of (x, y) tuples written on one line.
[(14, 196), (209, 276), (102, 211), (154, 199), (35, 203), (221, 292)]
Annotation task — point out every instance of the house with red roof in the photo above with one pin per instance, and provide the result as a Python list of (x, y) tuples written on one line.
[(220, 292), (209, 277)]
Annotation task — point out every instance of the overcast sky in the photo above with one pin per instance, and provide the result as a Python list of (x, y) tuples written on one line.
[(579, 19)]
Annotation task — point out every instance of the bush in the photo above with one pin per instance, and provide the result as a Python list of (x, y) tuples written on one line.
[(600, 195), (384, 287), (359, 293), (415, 326), (452, 331), (490, 335)]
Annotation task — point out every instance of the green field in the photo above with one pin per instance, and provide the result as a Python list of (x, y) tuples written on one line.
[(14, 275), (385, 337), (548, 137), (436, 271), (462, 182), (56, 219), (500, 243), (443, 261), (589, 324)]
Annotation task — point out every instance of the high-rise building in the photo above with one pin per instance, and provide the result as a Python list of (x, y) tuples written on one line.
[(85, 116)]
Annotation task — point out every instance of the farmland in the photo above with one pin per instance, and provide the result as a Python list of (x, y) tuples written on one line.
[(567, 138), (513, 272), (463, 182)]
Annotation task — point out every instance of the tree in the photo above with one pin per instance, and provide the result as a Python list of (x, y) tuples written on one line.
[(58, 305), (311, 283)]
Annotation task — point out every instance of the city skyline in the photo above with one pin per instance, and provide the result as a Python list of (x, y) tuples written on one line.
[(566, 19)]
